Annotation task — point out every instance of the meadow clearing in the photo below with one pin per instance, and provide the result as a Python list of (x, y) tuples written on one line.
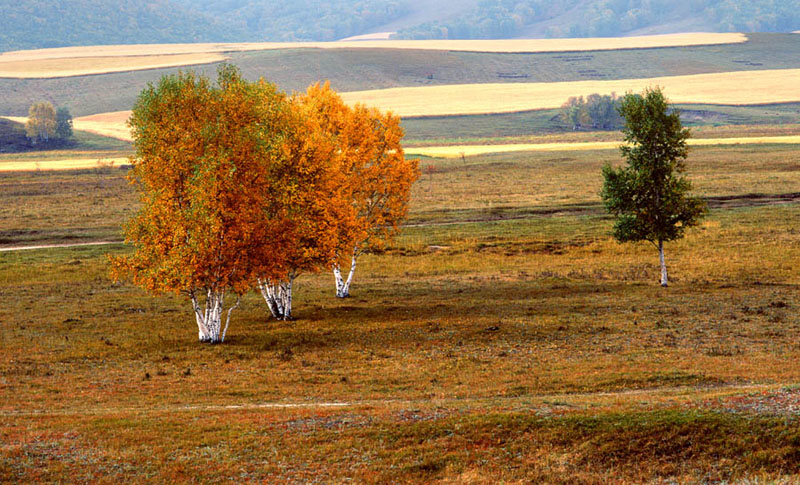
[(504, 336)]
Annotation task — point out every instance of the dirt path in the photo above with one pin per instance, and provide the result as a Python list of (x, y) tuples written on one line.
[(572, 400), (53, 246)]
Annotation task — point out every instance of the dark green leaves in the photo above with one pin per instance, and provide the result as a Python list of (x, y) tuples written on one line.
[(650, 194)]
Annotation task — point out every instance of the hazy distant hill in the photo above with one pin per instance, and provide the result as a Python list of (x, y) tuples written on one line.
[(301, 20), (31, 24), (40, 23), (600, 18)]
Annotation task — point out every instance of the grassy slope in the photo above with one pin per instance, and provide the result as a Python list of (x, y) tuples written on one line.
[(12, 136), (485, 339), (351, 70), (547, 121)]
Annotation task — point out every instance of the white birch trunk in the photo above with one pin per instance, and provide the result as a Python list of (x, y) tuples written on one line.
[(337, 275), (209, 316), (342, 286), (278, 295), (663, 263)]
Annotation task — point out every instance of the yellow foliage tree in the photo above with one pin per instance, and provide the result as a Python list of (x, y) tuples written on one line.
[(377, 176), (205, 164), (41, 125)]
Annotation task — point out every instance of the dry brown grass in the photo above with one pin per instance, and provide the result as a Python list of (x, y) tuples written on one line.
[(456, 151), (728, 88), (82, 66), (516, 351)]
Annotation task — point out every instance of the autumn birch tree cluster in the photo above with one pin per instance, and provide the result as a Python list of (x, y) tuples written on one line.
[(244, 188)]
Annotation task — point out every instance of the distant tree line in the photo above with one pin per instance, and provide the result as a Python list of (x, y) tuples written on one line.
[(302, 20), (37, 23), (490, 19), (598, 18), (597, 112)]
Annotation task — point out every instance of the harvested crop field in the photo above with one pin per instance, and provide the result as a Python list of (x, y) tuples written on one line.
[(770, 86), (67, 164), (456, 151), (504, 45), (82, 66)]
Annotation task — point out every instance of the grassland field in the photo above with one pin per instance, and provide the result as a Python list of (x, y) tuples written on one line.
[(503, 336)]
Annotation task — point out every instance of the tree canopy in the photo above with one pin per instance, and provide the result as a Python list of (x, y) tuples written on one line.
[(41, 125), (243, 187), (205, 163)]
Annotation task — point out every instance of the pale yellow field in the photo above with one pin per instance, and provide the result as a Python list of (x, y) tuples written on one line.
[(114, 125), (504, 45), (373, 36), (47, 68), (729, 88), (69, 164), (456, 151), (111, 124)]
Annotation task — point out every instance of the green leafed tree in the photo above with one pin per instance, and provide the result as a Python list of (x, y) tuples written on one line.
[(41, 125), (650, 195), (63, 124)]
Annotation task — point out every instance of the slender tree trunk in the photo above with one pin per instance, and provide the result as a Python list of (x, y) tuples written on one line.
[(269, 291), (663, 263), (342, 286), (337, 276), (209, 316), (278, 295)]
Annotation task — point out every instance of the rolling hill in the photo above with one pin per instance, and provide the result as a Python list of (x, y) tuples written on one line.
[(12, 137), (38, 24), (361, 69)]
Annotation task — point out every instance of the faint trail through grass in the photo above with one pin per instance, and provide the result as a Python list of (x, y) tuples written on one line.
[(571, 399)]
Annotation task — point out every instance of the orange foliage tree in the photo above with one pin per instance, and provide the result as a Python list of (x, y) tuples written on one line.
[(242, 187), (377, 177), (205, 166), (316, 206)]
